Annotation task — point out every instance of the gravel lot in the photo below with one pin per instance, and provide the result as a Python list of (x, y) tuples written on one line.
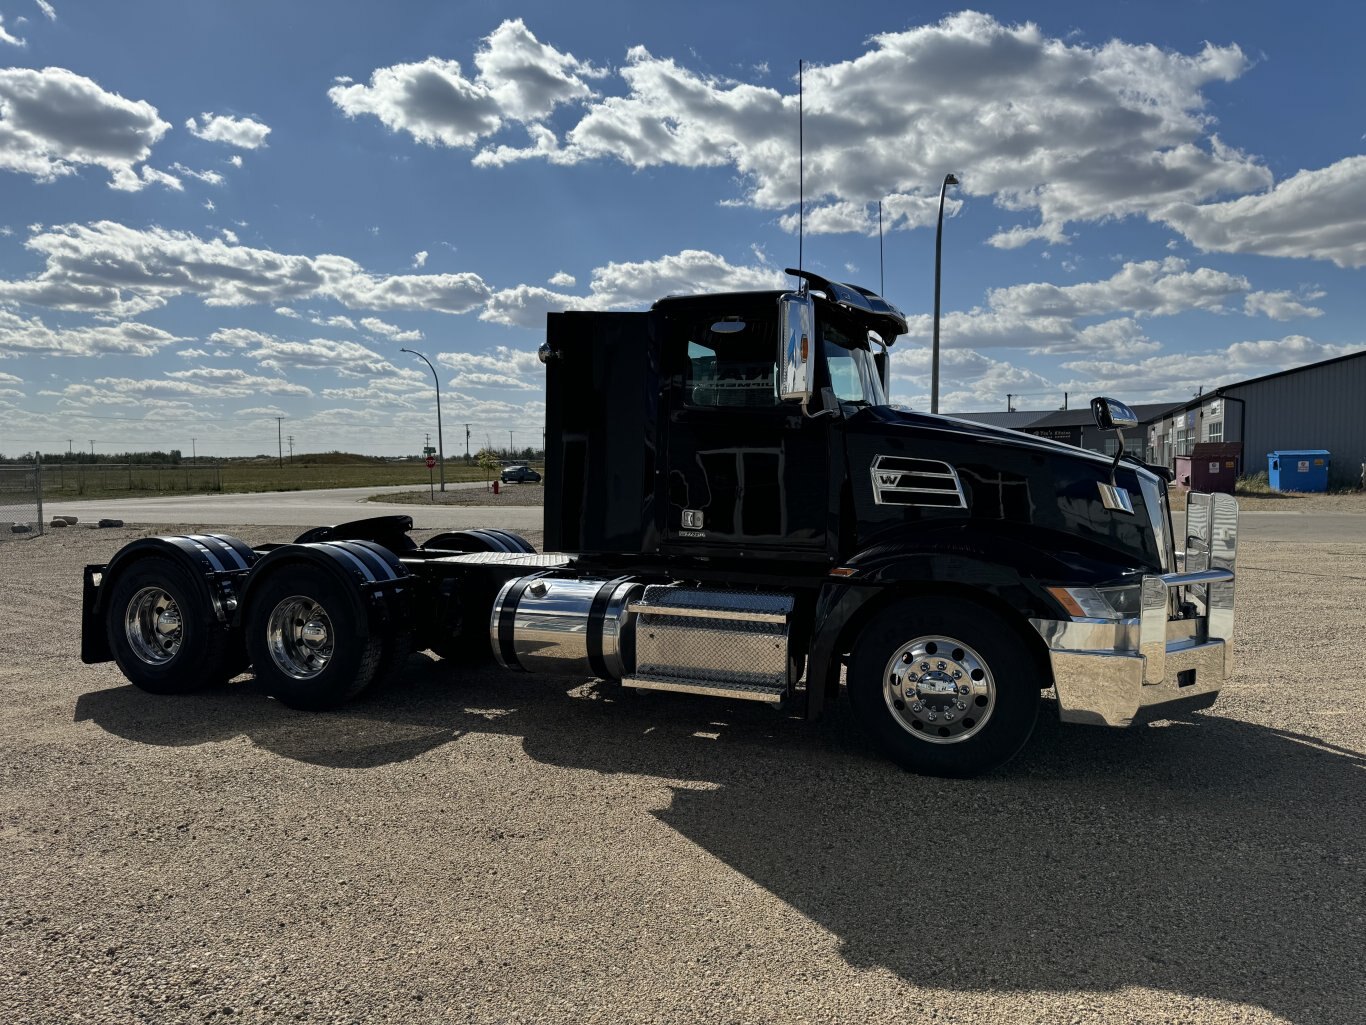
[(485, 848)]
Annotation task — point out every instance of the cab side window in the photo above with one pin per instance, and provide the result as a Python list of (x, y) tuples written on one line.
[(731, 369)]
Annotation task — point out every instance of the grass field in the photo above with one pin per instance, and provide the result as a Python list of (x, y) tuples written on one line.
[(112, 480)]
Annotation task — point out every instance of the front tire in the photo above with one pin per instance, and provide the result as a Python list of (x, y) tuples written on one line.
[(945, 686), (309, 639), (162, 629)]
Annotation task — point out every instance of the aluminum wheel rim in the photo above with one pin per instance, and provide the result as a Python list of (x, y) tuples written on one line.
[(939, 689), (153, 625), (299, 635)]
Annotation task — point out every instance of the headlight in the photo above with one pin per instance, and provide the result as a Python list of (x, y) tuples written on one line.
[(1108, 603)]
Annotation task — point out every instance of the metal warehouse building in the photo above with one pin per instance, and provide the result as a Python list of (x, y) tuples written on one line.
[(1319, 406)]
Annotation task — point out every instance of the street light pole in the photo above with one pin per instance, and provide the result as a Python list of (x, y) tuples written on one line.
[(440, 448), (938, 248)]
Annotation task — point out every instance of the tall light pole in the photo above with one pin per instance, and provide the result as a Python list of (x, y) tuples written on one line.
[(440, 448), (938, 247)]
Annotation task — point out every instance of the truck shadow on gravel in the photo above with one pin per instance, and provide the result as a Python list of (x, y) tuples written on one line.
[(1211, 858)]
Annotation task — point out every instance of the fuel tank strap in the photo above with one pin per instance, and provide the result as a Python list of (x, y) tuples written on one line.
[(507, 619), (597, 612)]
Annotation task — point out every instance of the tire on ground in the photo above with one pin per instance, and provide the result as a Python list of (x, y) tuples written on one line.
[(162, 629), (309, 638), (894, 685)]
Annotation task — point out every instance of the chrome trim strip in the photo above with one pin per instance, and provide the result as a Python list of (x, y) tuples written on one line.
[(678, 685), (694, 612)]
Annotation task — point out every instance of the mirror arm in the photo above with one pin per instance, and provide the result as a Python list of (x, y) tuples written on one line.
[(1118, 456)]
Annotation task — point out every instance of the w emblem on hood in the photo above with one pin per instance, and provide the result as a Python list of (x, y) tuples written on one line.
[(903, 480)]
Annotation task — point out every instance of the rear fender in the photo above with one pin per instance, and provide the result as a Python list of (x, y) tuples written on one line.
[(220, 562), (367, 573)]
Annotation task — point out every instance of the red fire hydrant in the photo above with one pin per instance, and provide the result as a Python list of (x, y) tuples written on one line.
[(495, 487)]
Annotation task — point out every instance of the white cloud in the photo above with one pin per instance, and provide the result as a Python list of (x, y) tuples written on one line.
[(504, 367), (54, 121), (347, 359), (621, 285), (391, 331), (20, 337), (1062, 130), (208, 177), (242, 132), (1177, 375), (420, 258), (969, 380), (1281, 305), (48, 10), (336, 321), (106, 267), (192, 354), (1048, 318), (562, 279), (235, 160), (1319, 214), (199, 383), (285, 311), (5, 37), (519, 78)]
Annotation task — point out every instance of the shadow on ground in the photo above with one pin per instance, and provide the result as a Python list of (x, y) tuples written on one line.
[(1211, 858)]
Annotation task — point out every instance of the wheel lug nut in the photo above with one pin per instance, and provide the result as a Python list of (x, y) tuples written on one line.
[(957, 674), (941, 666), (963, 689), (917, 707), (932, 717), (924, 667), (961, 706), (948, 717)]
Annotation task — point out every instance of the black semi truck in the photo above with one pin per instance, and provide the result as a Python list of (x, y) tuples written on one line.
[(733, 509)]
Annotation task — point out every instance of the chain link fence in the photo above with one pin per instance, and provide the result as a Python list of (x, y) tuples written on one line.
[(80, 480), (21, 501)]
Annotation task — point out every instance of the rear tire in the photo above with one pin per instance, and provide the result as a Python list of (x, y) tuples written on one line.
[(162, 630), (945, 686), (309, 639)]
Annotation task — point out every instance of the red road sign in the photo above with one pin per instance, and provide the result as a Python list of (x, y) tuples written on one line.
[(431, 461)]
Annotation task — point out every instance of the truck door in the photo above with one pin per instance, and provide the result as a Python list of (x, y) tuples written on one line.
[(747, 474)]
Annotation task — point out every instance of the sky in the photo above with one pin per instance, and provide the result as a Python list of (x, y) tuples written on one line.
[(214, 214)]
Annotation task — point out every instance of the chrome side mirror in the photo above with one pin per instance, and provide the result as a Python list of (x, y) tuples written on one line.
[(796, 355), (1111, 414)]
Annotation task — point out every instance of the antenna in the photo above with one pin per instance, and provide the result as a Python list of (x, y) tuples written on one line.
[(881, 266), (801, 166)]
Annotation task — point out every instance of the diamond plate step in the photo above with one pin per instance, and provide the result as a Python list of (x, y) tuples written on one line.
[(711, 688)]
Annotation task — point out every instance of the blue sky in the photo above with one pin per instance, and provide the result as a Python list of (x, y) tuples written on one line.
[(216, 214)]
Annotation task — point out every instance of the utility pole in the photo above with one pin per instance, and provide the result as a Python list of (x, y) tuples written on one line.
[(509, 444), (279, 441), (467, 444), (92, 449), (193, 452), (68, 446), (291, 448)]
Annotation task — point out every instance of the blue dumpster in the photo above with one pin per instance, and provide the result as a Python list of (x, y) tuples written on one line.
[(1298, 469)]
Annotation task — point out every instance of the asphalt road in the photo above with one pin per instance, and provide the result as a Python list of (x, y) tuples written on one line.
[(312, 508), (298, 509)]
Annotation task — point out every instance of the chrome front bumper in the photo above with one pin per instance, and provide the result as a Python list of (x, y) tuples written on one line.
[(1154, 666)]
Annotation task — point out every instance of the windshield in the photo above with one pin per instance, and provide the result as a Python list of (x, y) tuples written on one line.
[(853, 374)]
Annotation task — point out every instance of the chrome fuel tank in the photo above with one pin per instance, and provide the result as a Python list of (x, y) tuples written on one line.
[(542, 624)]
